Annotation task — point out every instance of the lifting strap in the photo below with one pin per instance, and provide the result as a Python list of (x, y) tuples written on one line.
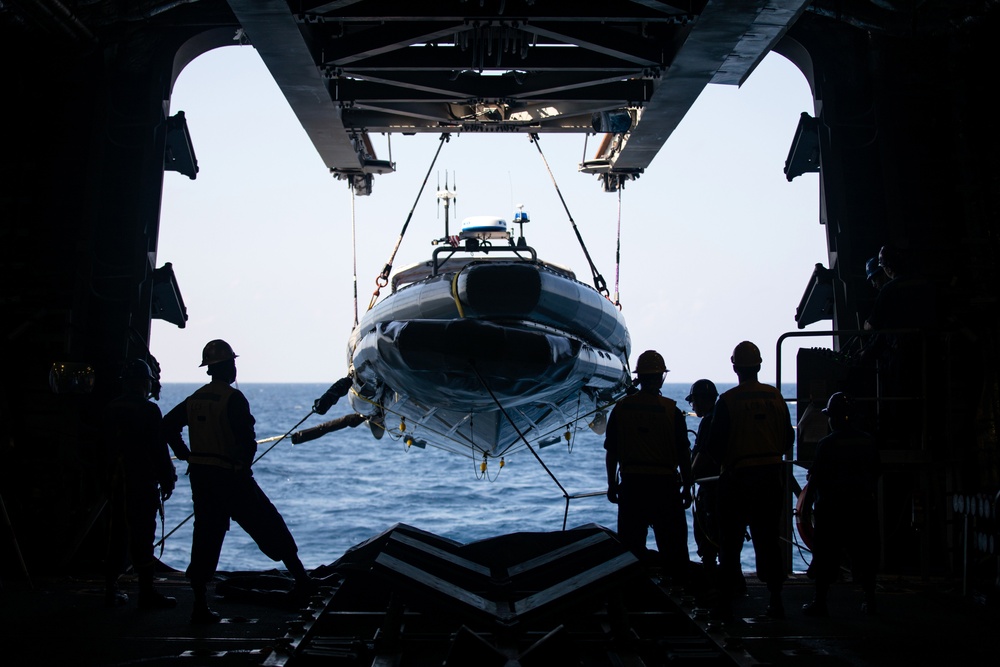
[(618, 249), (354, 257), (383, 278), (599, 282)]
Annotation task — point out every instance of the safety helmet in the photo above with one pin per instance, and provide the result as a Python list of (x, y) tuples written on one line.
[(746, 354), (838, 406), (649, 363), (702, 388), (872, 268), (137, 369), (216, 351)]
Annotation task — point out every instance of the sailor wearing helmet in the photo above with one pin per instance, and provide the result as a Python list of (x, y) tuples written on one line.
[(647, 445), (223, 445), (141, 478), (843, 486), (702, 397), (751, 432)]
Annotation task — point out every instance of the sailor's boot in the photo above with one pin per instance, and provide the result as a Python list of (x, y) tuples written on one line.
[(818, 606), (711, 569), (201, 614), (305, 586), (149, 597), (113, 595), (775, 607)]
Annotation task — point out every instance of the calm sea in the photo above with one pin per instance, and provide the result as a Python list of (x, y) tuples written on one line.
[(345, 487)]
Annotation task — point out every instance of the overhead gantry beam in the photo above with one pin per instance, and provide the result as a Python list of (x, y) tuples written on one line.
[(728, 40), (275, 34), (357, 66)]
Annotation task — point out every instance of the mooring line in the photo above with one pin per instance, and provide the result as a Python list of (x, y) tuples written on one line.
[(519, 434), (276, 440)]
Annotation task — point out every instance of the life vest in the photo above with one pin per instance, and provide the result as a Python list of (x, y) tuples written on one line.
[(757, 425), (212, 438), (644, 424)]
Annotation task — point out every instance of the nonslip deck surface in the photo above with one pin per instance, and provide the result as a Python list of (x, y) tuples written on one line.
[(63, 620)]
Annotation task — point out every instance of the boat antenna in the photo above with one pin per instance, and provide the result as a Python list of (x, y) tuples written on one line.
[(447, 196)]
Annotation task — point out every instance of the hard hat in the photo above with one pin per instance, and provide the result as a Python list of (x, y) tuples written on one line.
[(872, 268), (838, 406), (137, 369), (216, 351), (746, 354), (649, 363), (702, 388)]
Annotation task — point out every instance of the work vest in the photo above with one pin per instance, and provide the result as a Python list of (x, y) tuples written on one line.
[(757, 425), (644, 424), (211, 435)]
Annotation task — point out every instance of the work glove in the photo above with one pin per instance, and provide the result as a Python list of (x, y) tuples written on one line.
[(181, 451), (167, 488), (354, 419), (329, 398), (613, 492)]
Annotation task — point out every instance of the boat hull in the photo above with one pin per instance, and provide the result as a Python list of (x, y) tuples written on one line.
[(490, 357)]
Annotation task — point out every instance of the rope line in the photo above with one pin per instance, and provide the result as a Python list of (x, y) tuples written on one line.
[(276, 440), (383, 278), (474, 451), (287, 433), (519, 434), (469, 448), (599, 282), (354, 257), (618, 249)]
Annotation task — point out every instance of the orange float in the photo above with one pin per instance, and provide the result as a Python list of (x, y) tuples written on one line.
[(804, 518)]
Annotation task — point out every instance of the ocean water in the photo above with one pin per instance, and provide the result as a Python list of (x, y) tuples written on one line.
[(345, 487)]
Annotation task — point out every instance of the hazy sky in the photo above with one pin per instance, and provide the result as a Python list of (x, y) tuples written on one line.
[(716, 245)]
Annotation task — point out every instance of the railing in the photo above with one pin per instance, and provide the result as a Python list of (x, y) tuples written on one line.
[(979, 514), (879, 398), (803, 334), (517, 251), (914, 457)]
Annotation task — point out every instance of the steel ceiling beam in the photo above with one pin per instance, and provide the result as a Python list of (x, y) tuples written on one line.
[(275, 35), (491, 88), (727, 41), (449, 58), (608, 42), (450, 10), (349, 67), (383, 39)]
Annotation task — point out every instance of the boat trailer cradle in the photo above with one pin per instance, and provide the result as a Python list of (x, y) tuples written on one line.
[(577, 597)]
